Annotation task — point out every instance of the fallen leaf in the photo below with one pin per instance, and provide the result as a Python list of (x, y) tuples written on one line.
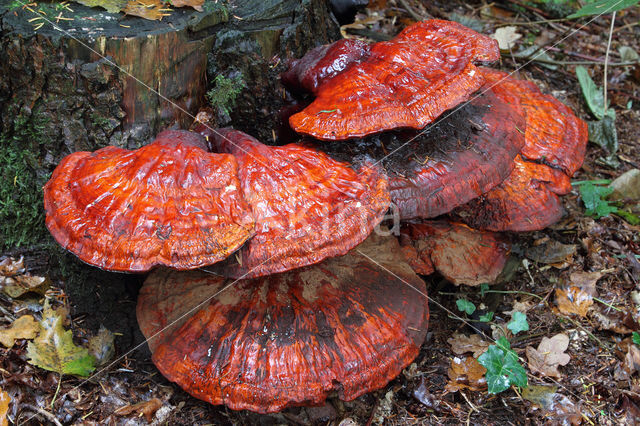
[(5, 399), (54, 349), (626, 185), (466, 373), (101, 346), (25, 327), (144, 408), (422, 394), (551, 252), (558, 408), (616, 321), (153, 10), (15, 282), (577, 296), (111, 6), (461, 344), (630, 364), (506, 37), (196, 4), (549, 355), (520, 307)]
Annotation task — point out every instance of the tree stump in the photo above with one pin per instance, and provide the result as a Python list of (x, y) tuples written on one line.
[(88, 78)]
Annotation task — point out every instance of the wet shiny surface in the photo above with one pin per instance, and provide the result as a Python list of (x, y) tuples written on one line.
[(307, 206), (169, 203), (344, 325), (406, 82)]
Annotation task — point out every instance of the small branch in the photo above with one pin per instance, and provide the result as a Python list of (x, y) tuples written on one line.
[(47, 415), (415, 15), (606, 60)]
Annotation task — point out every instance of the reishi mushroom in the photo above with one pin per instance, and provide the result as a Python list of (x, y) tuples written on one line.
[(349, 324), (555, 144), (307, 206), (455, 160), (169, 203), (460, 254), (404, 83)]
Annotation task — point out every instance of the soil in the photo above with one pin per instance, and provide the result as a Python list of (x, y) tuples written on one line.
[(592, 388)]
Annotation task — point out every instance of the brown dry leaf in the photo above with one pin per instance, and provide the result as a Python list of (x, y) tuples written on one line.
[(145, 408), (618, 322), (518, 306), (466, 373), (461, 344), (552, 252), (25, 327), (630, 365), (153, 10), (577, 296), (101, 346), (15, 282), (558, 408), (549, 355), (196, 4), (506, 37), (5, 399)]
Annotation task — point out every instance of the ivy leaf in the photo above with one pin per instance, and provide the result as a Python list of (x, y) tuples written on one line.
[(635, 336), (601, 7), (503, 368), (54, 349), (465, 306), (486, 317), (518, 323), (593, 198)]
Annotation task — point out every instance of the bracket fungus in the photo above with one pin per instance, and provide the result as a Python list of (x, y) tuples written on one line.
[(168, 203), (307, 206), (450, 163), (460, 254), (349, 324), (405, 83), (555, 144)]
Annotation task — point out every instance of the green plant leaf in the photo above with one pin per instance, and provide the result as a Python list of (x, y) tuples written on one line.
[(518, 323), (503, 367), (486, 317), (593, 198), (112, 6), (602, 7), (54, 349), (484, 287), (635, 336), (593, 94), (604, 134), (465, 306)]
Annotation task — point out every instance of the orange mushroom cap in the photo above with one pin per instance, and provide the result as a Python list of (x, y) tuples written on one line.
[(555, 144), (307, 206), (456, 159), (406, 82), (349, 324), (461, 254), (526, 201), (168, 203)]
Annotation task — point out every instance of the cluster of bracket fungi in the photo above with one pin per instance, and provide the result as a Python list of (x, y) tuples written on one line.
[(306, 300)]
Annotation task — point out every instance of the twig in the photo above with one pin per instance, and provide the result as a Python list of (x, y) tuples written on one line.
[(43, 413), (606, 61), (553, 62), (415, 15)]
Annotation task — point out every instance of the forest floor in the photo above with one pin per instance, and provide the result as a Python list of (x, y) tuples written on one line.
[(576, 281)]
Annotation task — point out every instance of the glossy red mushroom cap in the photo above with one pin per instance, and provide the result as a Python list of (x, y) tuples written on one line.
[(168, 203), (307, 206), (404, 83), (349, 324)]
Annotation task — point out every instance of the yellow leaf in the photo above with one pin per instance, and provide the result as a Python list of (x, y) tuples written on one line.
[(54, 349), (24, 327), (5, 399), (147, 9)]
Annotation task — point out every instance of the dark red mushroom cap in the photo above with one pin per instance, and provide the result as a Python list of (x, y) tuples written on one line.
[(461, 254), (406, 82), (168, 203), (349, 324), (526, 201), (321, 64), (462, 155), (555, 144), (307, 206)]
